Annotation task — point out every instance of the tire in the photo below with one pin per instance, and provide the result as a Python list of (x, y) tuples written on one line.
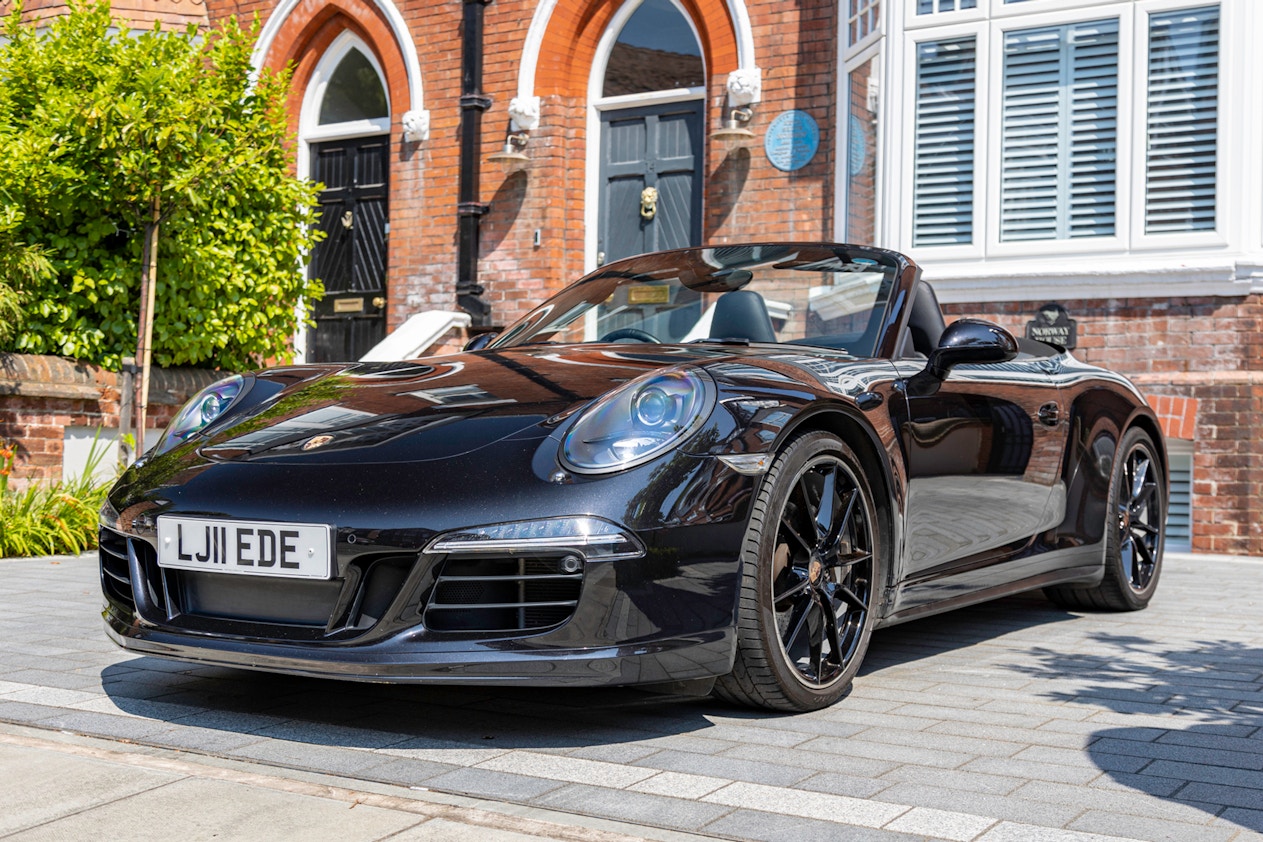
[(811, 579), (1135, 532)]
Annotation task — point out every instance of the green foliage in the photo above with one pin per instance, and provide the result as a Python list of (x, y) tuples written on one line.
[(20, 263), (59, 517), (101, 128)]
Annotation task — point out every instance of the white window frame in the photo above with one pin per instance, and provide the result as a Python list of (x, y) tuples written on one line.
[(994, 107), (982, 142), (309, 127), (1130, 263), (858, 58), (597, 103), (1217, 236), (844, 29)]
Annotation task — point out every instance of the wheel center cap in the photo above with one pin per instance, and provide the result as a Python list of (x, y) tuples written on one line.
[(815, 569)]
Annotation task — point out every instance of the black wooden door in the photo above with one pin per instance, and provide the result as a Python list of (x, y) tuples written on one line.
[(657, 147), (351, 259)]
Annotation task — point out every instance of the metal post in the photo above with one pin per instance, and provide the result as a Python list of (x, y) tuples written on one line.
[(126, 405), (469, 209)]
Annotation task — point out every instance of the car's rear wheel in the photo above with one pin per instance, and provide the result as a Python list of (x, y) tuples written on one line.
[(1135, 524), (812, 564)]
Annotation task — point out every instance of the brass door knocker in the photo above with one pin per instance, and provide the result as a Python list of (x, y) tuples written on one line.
[(649, 202), (348, 219)]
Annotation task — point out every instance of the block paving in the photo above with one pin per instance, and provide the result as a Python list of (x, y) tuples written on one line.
[(1008, 721)]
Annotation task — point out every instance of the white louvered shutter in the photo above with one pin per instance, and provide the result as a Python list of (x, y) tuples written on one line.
[(943, 183), (1182, 123), (1059, 134)]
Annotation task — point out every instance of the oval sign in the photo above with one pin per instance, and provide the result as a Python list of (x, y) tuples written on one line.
[(792, 140)]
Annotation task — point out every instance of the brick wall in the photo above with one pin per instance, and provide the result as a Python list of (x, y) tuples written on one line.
[(1207, 350), (41, 396)]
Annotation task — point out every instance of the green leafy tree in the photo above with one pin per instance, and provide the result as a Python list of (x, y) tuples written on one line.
[(20, 263), (114, 138)]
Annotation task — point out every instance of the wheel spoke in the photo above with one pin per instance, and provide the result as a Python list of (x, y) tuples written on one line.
[(825, 514), (1138, 478), (850, 560), (849, 596), (793, 533), (1127, 550), (831, 540), (815, 634), (797, 619), (1146, 495), (804, 509), (831, 629), (795, 589), (1139, 547)]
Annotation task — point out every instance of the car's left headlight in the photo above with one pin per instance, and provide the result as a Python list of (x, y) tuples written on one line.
[(201, 411), (639, 421)]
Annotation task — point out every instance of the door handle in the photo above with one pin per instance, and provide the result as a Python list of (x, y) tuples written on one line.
[(379, 302), (1050, 414)]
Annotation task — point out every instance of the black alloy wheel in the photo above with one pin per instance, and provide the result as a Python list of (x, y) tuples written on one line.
[(811, 574), (1135, 529)]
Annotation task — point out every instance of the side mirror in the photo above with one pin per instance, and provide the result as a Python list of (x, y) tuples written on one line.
[(970, 341), (480, 341)]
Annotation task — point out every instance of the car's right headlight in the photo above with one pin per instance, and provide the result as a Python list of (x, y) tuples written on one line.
[(201, 411), (639, 421)]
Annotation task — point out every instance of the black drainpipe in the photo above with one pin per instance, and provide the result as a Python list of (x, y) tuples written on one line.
[(468, 209)]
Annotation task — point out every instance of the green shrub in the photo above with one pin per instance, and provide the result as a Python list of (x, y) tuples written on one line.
[(110, 139), (52, 518)]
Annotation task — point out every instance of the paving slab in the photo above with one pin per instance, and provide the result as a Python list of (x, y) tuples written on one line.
[(1010, 720)]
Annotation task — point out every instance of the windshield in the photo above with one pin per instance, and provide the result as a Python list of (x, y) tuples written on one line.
[(828, 296)]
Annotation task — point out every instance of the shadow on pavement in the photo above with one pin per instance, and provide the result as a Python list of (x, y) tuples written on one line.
[(354, 714), (1210, 755)]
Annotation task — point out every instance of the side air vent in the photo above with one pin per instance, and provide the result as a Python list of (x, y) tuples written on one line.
[(504, 594), (116, 579)]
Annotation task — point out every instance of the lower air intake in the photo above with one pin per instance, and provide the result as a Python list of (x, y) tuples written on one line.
[(503, 594)]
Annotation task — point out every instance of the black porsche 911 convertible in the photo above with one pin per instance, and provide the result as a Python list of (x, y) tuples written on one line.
[(715, 466)]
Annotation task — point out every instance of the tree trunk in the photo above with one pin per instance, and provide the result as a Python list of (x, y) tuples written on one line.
[(144, 343)]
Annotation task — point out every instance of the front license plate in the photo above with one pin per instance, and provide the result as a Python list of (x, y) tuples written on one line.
[(258, 548)]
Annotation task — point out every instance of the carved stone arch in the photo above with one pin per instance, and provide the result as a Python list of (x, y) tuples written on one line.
[(570, 34), (298, 34)]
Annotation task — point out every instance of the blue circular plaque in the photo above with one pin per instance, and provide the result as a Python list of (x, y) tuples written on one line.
[(792, 140)]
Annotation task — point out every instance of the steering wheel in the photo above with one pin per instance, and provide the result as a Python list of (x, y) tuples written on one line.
[(630, 333)]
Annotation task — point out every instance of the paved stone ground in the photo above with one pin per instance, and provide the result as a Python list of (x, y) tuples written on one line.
[(1010, 721)]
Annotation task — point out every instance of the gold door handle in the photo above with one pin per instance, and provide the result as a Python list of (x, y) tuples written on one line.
[(648, 202), (379, 302)]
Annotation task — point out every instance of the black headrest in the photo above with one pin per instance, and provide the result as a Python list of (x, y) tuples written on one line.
[(741, 314)]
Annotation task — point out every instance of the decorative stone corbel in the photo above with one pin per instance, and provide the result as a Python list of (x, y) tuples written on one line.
[(745, 86), (524, 112), (416, 126)]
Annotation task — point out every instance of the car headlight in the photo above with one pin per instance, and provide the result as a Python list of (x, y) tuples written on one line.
[(201, 410), (640, 420)]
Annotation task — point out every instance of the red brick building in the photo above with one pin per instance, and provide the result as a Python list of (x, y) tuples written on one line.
[(907, 123)]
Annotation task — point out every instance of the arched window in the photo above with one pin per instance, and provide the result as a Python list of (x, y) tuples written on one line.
[(347, 94), (354, 92), (656, 50)]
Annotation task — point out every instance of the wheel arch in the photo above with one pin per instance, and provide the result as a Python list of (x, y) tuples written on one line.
[(849, 425)]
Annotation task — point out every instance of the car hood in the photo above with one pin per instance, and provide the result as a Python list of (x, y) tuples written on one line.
[(422, 410)]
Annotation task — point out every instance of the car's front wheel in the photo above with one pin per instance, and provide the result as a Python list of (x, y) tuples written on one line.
[(812, 564)]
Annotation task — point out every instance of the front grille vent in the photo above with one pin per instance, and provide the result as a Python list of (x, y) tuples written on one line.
[(116, 579), (502, 595)]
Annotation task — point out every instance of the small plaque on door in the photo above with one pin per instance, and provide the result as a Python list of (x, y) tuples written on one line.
[(348, 305), (649, 295)]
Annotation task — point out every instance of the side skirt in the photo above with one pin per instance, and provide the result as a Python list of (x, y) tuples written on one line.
[(1087, 575)]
